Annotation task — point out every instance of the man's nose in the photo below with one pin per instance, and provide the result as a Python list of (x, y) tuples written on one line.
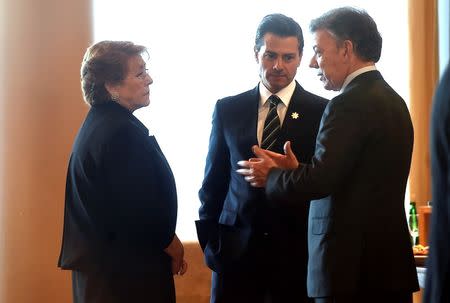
[(313, 63), (278, 64), (149, 79)]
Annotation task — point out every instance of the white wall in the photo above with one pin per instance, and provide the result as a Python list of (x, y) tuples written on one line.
[(203, 50), (444, 33)]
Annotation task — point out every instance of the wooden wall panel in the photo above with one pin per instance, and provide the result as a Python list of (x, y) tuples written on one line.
[(41, 108)]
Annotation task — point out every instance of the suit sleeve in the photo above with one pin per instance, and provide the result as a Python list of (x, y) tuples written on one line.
[(339, 141), (141, 211), (216, 179), (438, 261)]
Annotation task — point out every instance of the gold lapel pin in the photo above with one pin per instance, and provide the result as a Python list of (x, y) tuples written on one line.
[(294, 115)]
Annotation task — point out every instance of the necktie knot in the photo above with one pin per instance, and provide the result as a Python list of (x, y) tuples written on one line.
[(274, 100)]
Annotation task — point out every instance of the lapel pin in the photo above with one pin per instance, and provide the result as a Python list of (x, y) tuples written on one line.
[(294, 115)]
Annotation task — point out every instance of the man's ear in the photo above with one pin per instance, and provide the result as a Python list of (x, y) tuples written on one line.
[(348, 48), (256, 54)]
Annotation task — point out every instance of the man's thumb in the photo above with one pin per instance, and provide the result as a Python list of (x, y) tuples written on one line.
[(288, 150)]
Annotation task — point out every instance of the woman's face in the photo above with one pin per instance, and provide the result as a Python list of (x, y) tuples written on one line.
[(134, 92)]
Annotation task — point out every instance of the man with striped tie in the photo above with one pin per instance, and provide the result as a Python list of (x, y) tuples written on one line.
[(257, 251), (357, 177)]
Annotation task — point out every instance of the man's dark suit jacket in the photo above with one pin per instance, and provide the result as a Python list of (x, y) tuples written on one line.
[(120, 205), (437, 288), (231, 210), (357, 235)]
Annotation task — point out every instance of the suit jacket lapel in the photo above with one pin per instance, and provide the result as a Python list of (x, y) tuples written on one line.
[(249, 117), (294, 107), (291, 119)]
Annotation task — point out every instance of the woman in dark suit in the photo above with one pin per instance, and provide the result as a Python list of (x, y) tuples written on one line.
[(121, 206)]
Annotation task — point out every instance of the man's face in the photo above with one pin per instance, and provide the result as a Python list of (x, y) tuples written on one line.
[(330, 59), (278, 61)]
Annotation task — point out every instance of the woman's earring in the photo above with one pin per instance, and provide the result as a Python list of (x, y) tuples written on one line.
[(115, 97)]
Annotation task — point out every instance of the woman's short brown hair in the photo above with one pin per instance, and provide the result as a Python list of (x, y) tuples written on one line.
[(105, 62)]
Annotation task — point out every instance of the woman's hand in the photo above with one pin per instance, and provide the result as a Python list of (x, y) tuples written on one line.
[(176, 251)]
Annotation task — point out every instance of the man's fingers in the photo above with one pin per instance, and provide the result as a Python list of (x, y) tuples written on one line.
[(257, 184), (290, 156), (249, 178), (288, 150), (244, 163), (272, 154), (266, 154), (287, 147), (245, 171), (249, 163), (259, 152)]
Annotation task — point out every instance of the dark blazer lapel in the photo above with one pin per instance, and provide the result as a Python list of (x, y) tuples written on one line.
[(249, 117), (293, 115), (294, 108), (300, 124)]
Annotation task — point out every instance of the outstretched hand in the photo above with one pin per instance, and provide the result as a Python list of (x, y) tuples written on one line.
[(286, 161), (255, 170)]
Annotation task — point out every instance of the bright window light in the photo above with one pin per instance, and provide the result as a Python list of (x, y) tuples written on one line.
[(201, 51)]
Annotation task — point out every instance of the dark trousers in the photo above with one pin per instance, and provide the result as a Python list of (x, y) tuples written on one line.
[(122, 287), (375, 297), (267, 273)]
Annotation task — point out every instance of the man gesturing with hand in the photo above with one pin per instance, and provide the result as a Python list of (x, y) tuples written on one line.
[(357, 177), (271, 159)]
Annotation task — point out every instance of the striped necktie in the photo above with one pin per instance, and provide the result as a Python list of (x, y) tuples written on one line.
[(271, 125)]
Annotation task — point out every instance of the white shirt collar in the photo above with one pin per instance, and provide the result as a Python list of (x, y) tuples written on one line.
[(285, 94), (355, 74)]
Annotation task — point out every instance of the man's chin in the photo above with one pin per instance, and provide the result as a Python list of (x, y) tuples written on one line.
[(277, 86), (328, 86)]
